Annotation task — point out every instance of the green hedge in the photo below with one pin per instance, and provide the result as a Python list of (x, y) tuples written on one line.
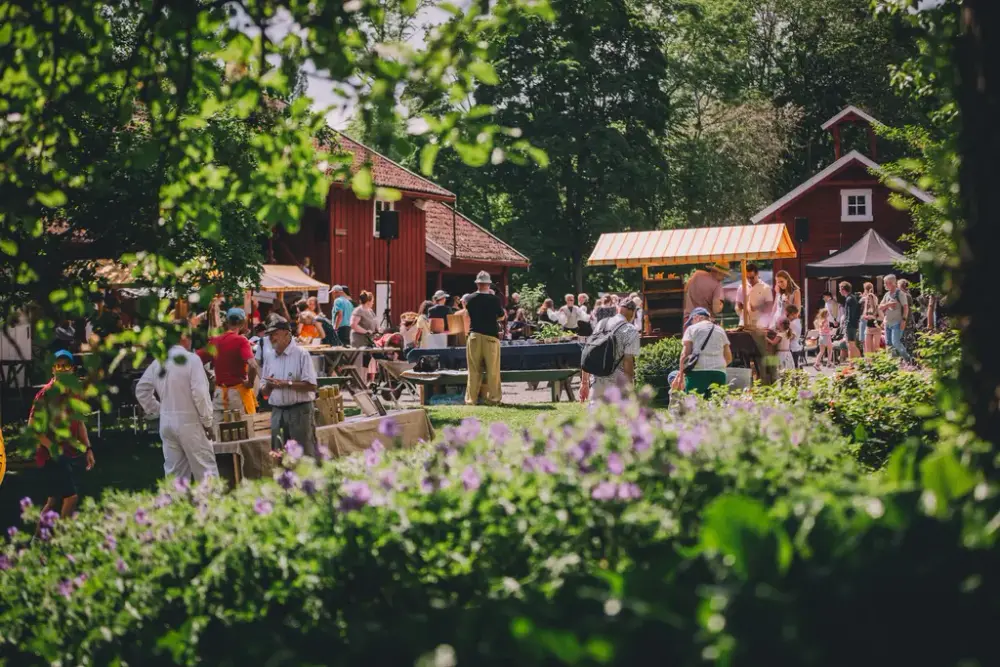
[(875, 403), (479, 543), (656, 362)]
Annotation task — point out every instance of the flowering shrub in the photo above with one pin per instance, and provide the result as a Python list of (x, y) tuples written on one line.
[(381, 558), (876, 404)]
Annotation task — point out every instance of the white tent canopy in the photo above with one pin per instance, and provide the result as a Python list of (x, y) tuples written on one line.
[(287, 278)]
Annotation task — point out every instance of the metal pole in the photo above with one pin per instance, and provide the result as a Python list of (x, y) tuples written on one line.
[(746, 295)]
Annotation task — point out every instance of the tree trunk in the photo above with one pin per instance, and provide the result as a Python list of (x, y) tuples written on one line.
[(978, 59)]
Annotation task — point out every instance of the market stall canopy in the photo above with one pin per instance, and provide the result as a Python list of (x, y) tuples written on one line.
[(287, 278), (693, 246), (871, 255)]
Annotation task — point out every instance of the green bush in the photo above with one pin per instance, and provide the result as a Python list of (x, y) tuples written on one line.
[(478, 543), (875, 403), (657, 361)]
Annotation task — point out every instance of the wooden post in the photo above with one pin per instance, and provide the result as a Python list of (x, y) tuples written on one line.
[(746, 294)]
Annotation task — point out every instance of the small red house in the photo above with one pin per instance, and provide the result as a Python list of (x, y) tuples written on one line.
[(436, 248), (835, 208)]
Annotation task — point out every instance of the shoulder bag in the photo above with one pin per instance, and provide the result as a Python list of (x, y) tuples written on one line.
[(692, 359)]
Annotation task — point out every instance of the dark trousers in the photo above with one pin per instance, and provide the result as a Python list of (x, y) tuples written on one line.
[(295, 422), (344, 334)]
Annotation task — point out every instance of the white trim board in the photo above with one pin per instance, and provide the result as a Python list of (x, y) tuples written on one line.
[(829, 171), (849, 110)]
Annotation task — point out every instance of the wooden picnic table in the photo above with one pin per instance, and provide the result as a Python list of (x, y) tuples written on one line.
[(343, 361), (432, 384)]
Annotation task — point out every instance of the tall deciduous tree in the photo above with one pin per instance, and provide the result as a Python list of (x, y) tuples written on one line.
[(588, 89)]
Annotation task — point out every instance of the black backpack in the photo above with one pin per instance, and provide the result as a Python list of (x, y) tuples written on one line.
[(598, 356)]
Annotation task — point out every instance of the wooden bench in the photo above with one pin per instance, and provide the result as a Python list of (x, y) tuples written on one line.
[(432, 384), (333, 381)]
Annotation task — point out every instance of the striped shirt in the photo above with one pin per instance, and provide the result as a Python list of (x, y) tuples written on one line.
[(294, 364)]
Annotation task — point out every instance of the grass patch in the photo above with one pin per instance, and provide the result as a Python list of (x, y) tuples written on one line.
[(515, 416)]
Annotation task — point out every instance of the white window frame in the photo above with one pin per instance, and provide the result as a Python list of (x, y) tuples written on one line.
[(846, 216), (380, 205)]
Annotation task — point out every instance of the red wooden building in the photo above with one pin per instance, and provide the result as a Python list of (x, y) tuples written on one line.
[(835, 208), (435, 248)]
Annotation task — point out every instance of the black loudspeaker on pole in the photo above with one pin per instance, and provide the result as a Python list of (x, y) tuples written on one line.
[(802, 230), (388, 225)]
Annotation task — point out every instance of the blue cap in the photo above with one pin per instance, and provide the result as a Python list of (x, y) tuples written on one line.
[(64, 354), (236, 314), (698, 311)]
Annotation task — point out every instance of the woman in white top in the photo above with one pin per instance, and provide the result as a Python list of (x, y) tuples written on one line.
[(548, 313), (710, 342), (786, 293)]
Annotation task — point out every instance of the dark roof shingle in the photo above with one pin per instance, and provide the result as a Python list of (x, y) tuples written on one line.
[(385, 172), (474, 242)]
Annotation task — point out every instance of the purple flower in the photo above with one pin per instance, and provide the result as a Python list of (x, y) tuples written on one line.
[(25, 504), (390, 428), (387, 479), (604, 491), (426, 485), (796, 437), (628, 491), (181, 484), (322, 452), (5, 563), (470, 479), (372, 457), (689, 403), (121, 566), (806, 394), (354, 495), (576, 453), (642, 436), (688, 441), (147, 537), (612, 395), (162, 501), (293, 450), (615, 464), (546, 465), (110, 543), (80, 580), (45, 534), (71, 558), (288, 480), (12, 532), (377, 447), (49, 518), (499, 432), (66, 588), (263, 507), (141, 517), (309, 486)]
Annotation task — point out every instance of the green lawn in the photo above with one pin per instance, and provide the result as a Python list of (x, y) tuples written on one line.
[(134, 462)]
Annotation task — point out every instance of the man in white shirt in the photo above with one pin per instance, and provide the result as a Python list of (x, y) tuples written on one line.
[(290, 388), (832, 309), (177, 391), (760, 300)]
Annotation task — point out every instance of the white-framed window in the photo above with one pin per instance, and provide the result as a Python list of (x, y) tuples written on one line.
[(856, 205), (380, 205)]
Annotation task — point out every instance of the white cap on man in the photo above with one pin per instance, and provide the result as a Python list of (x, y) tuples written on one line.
[(440, 294), (483, 279)]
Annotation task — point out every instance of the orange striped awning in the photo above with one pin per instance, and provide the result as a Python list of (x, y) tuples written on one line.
[(693, 246)]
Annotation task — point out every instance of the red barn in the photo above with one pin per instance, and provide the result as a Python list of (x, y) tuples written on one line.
[(835, 208), (434, 247)]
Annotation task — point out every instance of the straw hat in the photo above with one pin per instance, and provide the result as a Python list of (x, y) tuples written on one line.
[(408, 317), (718, 267)]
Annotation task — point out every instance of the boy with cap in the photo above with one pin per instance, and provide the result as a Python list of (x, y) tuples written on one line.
[(236, 369), (59, 473), (483, 311)]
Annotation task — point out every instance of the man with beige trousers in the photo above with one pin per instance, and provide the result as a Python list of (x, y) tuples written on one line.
[(482, 350)]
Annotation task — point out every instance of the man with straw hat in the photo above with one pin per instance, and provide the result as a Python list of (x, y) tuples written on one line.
[(483, 311), (704, 289)]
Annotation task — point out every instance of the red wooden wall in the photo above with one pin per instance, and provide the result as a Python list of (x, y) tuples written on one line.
[(821, 206), (357, 259)]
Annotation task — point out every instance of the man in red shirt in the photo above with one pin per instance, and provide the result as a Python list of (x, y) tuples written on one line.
[(235, 367), (57, 426)]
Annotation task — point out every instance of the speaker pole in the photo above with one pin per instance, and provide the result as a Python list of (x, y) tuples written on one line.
[(387, 315)]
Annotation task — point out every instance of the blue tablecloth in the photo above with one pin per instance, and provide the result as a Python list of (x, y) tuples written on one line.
[(512, 357)]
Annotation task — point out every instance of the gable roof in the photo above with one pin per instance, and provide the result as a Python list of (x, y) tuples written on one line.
[(385, 172), (446, 227), (853, 156), (846, 111)]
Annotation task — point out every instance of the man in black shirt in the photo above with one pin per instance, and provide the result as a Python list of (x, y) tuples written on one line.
[(482, 351), (852, 318), (440, 310)]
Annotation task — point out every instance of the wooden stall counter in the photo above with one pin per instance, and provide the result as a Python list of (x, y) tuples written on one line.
[(355, 434)]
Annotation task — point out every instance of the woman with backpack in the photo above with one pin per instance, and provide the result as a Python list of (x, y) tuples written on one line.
[(705, 355)]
